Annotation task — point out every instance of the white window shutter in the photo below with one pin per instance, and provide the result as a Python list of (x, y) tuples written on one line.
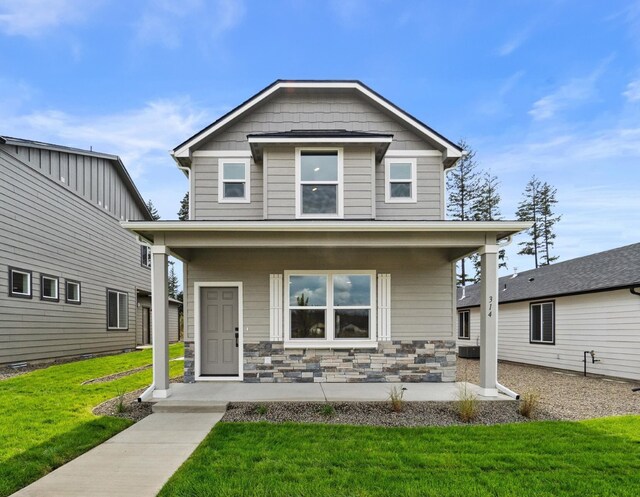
[(384, 307), (275, 308)]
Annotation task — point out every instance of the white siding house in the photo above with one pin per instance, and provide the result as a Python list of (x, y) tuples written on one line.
[(552, 315)]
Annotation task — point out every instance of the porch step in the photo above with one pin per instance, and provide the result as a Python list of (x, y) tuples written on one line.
[(190, 406)]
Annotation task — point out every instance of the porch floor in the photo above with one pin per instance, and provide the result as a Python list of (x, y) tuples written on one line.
[(230, 391)]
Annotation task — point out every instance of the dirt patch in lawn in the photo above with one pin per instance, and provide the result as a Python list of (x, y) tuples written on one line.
[(375, 413)]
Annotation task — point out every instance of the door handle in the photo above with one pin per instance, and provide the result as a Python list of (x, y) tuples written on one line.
[(237, 338)]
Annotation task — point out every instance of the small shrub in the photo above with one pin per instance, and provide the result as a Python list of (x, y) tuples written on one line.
[(327, 410), (261, 409), (529, 403), (396, 396), (120, 405), (467, 404)]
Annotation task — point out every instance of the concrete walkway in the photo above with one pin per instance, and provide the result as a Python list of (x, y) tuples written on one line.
[(136, 462)]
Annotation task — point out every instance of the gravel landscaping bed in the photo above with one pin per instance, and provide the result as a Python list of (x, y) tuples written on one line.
[(115, 376), (373, 413), (563, 394)]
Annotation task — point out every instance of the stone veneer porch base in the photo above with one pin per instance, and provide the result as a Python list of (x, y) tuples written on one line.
[(394, 361)]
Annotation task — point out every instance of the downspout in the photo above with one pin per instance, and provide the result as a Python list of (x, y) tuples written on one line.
[(500, 387)]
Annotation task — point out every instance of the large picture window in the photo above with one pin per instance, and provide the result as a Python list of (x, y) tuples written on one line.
[(542, 323), (319, 183), (331, 307), (117, 310)]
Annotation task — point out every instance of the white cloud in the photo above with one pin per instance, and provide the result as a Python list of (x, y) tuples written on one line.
[(33, 18), (633, 91), (512, 44), (575, 91), (169, 23)]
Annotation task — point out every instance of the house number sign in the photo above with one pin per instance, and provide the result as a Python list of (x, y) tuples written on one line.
[(490, 306)]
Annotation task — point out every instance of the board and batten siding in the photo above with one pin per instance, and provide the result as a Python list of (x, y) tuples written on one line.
[(313, 109), (92, 178), (606, 322), (421, 284), (47, 228)]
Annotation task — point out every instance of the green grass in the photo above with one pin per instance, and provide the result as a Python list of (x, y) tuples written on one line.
[(594, 458), (46, 419)]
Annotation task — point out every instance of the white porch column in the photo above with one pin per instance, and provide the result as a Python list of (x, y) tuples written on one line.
[(489, 320), (160, 319)]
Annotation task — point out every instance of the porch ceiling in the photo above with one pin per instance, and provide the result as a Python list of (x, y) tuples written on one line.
[(457, 238)]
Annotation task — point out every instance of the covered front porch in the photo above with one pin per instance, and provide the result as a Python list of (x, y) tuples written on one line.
[(229, 244)]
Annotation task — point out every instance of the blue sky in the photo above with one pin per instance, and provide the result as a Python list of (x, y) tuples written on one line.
[(550, 88)]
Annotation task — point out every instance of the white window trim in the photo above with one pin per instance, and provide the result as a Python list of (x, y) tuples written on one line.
[(460, 335), (553, 323), (66, 292), (387, 181), (118, 293), (330, 342), (146, 263), (340, 183), (247, 181), (54, 298), (28, 274)]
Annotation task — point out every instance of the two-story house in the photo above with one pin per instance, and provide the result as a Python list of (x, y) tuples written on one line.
[(317, 248), (72, 280)]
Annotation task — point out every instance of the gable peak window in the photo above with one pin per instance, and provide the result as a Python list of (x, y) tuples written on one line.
[(542, 323), (319, 184), (400, 181), (49, 287), (234, 181)]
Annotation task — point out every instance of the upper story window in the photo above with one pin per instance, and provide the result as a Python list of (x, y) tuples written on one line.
[(49, 287), (234, 181), (464, 325), (72, 292), (400, 180), (319, 184), (542, 324), (19, 283), (145, 256)]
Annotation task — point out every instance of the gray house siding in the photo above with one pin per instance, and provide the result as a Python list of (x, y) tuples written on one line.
[(48, 228), (421, 289), (145, 303)]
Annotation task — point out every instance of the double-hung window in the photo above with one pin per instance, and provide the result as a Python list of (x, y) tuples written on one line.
[(49, 287), (117, 310), (72, 292), (464, 325), (319, 187), (234, 181), (145, 256), (19, 283), (542, 324), (400, 181), (330, 308)]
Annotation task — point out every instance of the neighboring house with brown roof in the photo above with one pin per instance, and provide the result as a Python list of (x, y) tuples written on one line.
[(551, 315), (72, 280)]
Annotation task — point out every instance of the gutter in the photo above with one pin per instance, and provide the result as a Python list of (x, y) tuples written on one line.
[(634, 291)]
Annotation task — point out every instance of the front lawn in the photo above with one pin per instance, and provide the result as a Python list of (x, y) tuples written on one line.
[(46, 419), (591, 458)]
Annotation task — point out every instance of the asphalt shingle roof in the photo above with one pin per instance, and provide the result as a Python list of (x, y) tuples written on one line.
[(616, 268)]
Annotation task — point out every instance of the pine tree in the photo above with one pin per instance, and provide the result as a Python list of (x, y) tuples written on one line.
[(153, 211), (548, 219), (462, 184), (487, 208), (172, 281), (537, 206), (183, 213)]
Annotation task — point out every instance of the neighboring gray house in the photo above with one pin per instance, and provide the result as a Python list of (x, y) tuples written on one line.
[(317, 249), (73, 281), (551, 315)]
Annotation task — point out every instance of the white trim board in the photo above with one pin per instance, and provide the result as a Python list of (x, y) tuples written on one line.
[(197, 286)]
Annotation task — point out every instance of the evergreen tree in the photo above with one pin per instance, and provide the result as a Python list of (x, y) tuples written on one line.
[(183, 213), (487, 208), (152, 209), (462, 184), (172, 281), (537, 206)]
